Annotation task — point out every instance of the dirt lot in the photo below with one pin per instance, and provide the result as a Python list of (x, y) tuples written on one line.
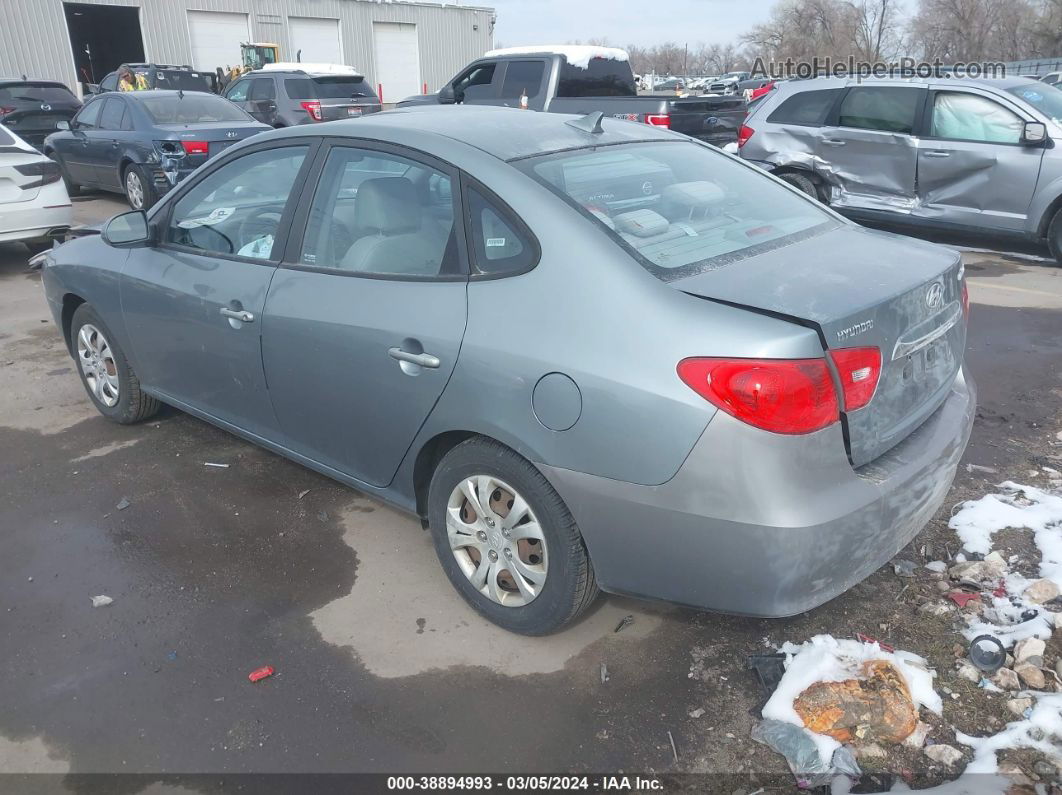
[(380, 665)]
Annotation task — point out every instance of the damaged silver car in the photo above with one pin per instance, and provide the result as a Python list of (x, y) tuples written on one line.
[(940, 153)]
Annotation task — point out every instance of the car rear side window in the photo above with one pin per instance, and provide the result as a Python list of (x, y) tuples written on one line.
[(262, 88), (237, 209), (522, 77), (885, 108), (602, 77), (806, 107), (499, 245), (679, 207), (381, 214), (112, 115)]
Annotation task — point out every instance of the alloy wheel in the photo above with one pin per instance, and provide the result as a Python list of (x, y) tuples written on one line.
[(497, 540), (134, 190), (98, 365)]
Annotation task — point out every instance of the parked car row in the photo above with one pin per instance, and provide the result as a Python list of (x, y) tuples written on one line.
[(33, 202)]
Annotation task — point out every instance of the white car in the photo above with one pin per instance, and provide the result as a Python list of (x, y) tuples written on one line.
[(33, 198)]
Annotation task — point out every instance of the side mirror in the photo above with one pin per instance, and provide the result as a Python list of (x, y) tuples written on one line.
[(1034, 132), (62, 124), (93, 88), (128, 230), (446, 95)]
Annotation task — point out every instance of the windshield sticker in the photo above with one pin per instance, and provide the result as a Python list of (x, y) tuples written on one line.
[(1032, 96), (495, 242), (689, 230), (215, 217), (260, 247)]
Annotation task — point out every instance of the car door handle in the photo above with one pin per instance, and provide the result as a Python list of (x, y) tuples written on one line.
[(422, 359), (241, 315), (937, 153), (834, 142), (114, 144)]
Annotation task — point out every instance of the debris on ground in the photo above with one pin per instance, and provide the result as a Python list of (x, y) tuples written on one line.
[(962, 598), (123, 504), (944, 754), (303, 493), (937, 566), (604, 673), (674, 750), (258, 674), (803, 754), (847, 691), (769, 669), (987, 653), (1041, 731), (101, 601), (216, 466), (625, 622), (904, 568)]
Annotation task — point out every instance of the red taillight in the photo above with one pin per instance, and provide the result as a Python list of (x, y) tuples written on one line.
[(965, 301), (6, 109), (313, 108), (779, 395), (658, 119), (195, 147), (744, 133), (859, 370)]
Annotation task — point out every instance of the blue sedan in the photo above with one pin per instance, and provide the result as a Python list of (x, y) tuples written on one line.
[(143, 143)]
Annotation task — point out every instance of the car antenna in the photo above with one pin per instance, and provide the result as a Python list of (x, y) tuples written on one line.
[(590, 123)]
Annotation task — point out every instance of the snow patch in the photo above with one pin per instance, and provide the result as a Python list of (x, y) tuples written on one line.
[(578, 55), (826, 659), (1036, 731)]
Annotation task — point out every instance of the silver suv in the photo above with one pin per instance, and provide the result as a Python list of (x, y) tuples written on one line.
[(959, 154)]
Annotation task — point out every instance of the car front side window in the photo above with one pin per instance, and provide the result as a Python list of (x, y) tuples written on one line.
[(381, 214), (238, 92), (969, 117), (86, 118), (237, 209), (475, 83)]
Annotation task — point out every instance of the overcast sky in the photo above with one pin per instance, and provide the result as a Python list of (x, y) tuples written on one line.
[(622, 22)]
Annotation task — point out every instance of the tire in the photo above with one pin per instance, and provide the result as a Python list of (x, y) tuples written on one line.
[(142, 197), (132, 404), (568, 586), (802, 183), (1054, 237)]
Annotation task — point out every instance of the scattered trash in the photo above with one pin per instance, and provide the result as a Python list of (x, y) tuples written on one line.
[(867, 639), (171, 656), (1040, 591), (323, 516), (944, 754), (218, 466), (987, 653), (917, 738), (625, 622), (1006, 679), (962, 598), (904, 568), (802, 753), (1031, 676), (697, 713), (1030, 650), (938, 566), (303, 493), (258, 674), (968, 672), (935, 608), (979, 468), (991, 569), (1019, 706), (1027, 733), (101, 601), (674, 751), (769, 669), (123, 504)]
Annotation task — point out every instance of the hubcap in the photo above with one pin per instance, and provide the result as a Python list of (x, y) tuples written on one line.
[(496, 540), (97, 365), (134, 190)]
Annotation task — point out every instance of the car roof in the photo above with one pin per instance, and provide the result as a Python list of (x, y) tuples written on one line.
[(31, 81), (505, 133), (159, 92)]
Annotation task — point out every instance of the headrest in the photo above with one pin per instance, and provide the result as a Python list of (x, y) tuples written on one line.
[(387, 205)]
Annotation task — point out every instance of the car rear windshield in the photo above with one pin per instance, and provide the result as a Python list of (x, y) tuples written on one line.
[(190, 109), (602, 77), (1045, 98), (342, 87), (679, 207), (28, 92), (173, 79)]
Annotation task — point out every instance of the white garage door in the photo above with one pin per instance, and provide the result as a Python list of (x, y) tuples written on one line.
[(216, 38), (317, 38), (397, 59)]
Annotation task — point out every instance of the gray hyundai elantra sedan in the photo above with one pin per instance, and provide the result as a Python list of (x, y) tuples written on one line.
[(588, 353)]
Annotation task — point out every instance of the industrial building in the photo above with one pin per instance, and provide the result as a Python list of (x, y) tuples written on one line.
[(399, 46)]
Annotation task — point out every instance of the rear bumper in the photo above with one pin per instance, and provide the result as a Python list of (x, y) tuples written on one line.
[(32, 220), (767, 525)]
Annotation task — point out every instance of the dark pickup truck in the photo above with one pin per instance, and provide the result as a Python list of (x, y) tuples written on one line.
[(582, 79)]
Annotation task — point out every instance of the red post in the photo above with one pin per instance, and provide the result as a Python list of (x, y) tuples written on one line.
[(425, 89), (379, 91)]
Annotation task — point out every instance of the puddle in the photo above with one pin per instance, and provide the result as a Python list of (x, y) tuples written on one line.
[(402, 617)]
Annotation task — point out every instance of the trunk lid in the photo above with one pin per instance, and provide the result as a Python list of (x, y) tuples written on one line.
[(332, 109), (218, 135), (861, 288)]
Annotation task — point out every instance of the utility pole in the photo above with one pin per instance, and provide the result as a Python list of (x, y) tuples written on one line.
[(685, 55)]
